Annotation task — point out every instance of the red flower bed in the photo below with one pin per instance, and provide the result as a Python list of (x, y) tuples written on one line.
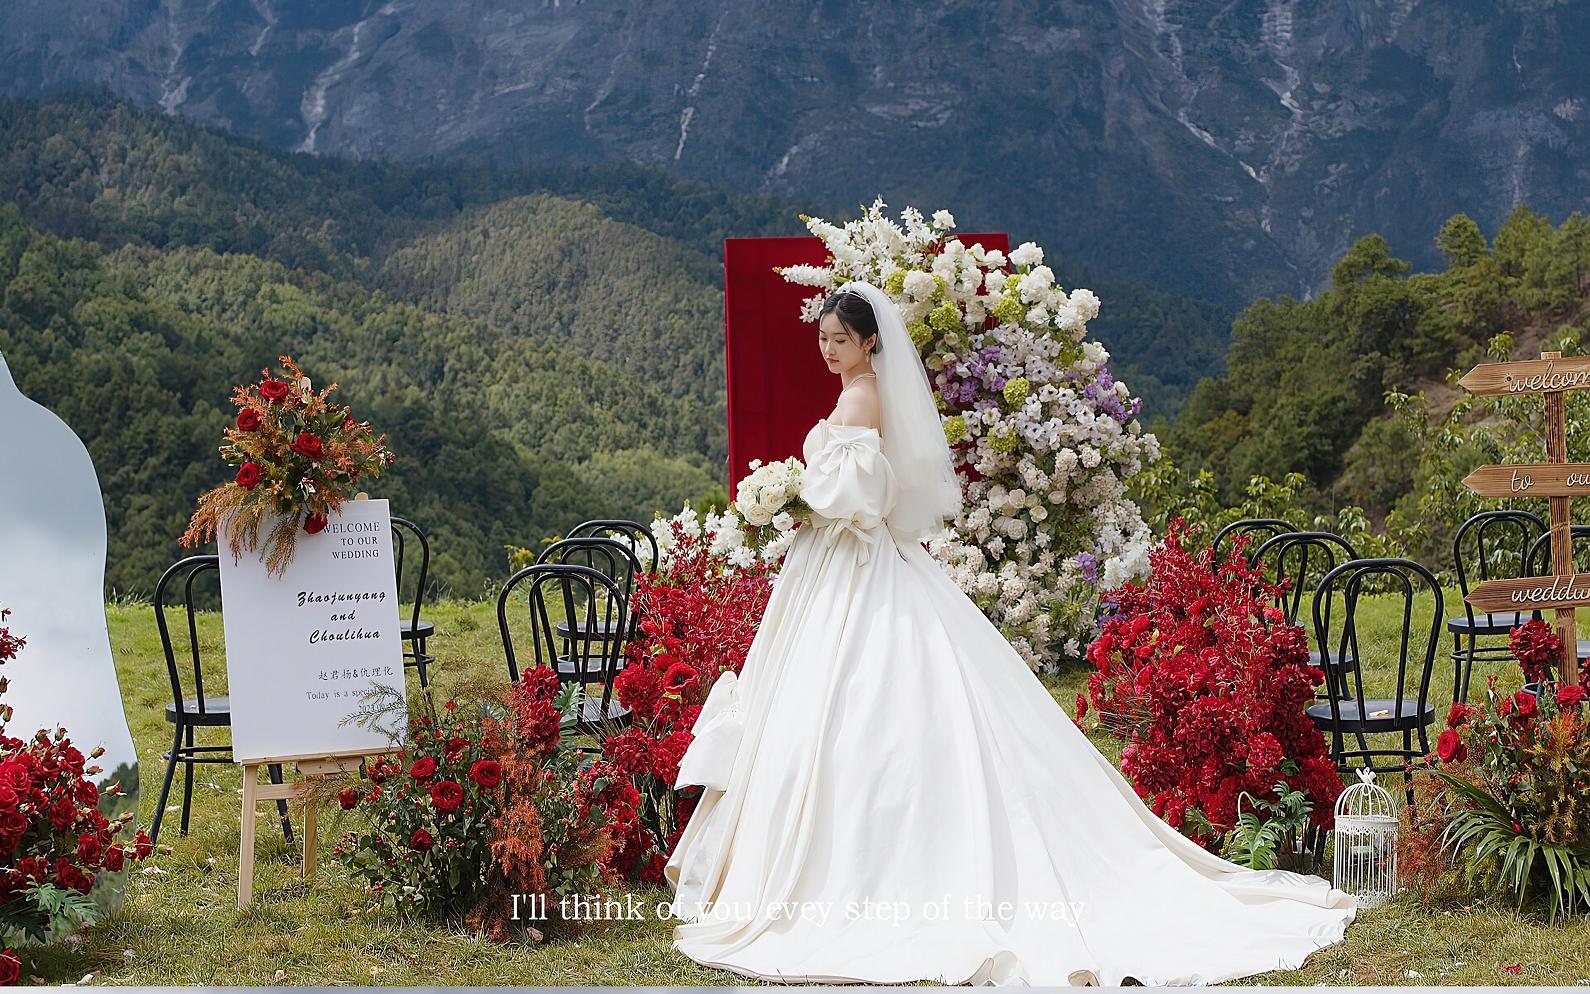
[(1207, 685), (699, 615), (53, 836)]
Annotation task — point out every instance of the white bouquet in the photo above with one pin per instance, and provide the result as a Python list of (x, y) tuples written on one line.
[(770, 496)]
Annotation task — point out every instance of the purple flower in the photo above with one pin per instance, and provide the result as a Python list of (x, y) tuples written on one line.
[(1088, 563)]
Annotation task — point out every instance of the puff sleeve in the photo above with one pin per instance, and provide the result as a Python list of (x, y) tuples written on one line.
[(849, 480)]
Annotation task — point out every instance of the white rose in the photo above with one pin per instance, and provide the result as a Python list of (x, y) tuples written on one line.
[(944, 219), (783, 522), (771, 501), (754, 515)]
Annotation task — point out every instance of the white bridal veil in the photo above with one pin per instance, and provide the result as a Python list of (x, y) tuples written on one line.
[(911, 430)]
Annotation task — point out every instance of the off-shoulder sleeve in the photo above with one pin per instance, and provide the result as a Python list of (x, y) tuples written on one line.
[(849, 478)]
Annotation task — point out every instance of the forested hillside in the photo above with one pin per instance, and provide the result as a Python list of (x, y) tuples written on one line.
[(1308, 379), (570, 368)]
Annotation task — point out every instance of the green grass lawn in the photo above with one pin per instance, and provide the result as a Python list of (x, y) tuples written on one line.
[(181, 924)]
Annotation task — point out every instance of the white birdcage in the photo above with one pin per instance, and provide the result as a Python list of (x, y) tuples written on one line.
[(1366, 842)]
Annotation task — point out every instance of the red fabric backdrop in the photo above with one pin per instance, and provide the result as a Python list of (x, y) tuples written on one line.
[(778, 386)]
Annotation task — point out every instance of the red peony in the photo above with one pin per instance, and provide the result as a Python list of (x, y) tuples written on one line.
[(248, 475), (486, 772), (274, 391), (308, 445), (447, 796), (421, 840), (348, 798), (314, 523), (248, 419), (423, 768)]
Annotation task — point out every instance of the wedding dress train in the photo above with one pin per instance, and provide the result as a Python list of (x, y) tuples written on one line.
[(892, 795)]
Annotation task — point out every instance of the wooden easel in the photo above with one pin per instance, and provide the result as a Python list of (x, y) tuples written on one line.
[(313, 768), (1556, 479)]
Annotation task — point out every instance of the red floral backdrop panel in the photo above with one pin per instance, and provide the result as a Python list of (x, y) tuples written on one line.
[(777, 385)]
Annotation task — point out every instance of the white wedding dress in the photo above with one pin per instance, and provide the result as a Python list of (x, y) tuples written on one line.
[(886, 772)]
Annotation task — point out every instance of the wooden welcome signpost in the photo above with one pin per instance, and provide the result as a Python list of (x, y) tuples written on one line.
[(1556, 479)]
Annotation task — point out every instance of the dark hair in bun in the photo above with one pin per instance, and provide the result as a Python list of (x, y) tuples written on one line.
[(855, 313)]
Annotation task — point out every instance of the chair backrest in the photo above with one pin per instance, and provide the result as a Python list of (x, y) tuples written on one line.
[(1263, 528), (584, 597), (1296, 558), (1493, 545), (635, 534), (180, 586), (1538, 560), (1404, 579), (613, 558), (409, 538)]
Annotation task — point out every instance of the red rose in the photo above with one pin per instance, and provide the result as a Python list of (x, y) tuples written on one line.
[(447, 796), (115, 858), (89, 849), (486, 772), (248, 419), (1570, 695), (248, 475), (1459, 715), (1082, 706), (1518, 828), (314, 523), (10, 969), (274, 391), (142, 847), (307, 444), (455, 745), (420, 840), (1449, 746), (348, 798), (1524, 705), (423, 769)]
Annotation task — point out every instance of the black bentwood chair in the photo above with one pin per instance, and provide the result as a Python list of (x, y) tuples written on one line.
[(590, 601), (1300, 560), (1260, 530), (632, 533), (407, 537), (1407, 710), (1492, 545), (187, 714), (614, 559)]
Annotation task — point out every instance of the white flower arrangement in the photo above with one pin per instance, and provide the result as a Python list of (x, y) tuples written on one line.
[(1028, 403)]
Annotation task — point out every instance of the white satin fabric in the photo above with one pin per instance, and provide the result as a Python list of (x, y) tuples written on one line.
[(892, 795)]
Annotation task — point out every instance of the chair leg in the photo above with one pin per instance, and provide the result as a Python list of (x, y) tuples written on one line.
[(165, 788), (423, 661), (187, 783), (275, 770), (1468, 664)]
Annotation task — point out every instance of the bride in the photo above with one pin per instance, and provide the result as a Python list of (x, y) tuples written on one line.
[(890, 793)]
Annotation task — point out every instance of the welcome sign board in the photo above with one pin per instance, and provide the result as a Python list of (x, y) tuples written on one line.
[(302, 649)]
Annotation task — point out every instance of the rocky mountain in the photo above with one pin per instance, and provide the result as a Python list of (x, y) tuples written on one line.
[(1213, 149)]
